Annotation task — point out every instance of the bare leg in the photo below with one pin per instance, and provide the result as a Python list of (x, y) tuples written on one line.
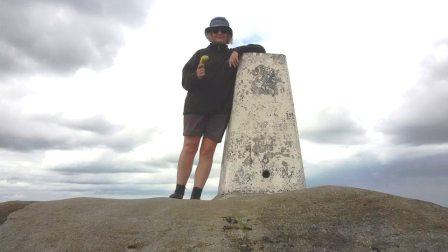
[(206, 153), (186, 158)]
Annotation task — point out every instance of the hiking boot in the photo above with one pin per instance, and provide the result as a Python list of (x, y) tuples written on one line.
[(179, 192), (196, 193), (177, 196)]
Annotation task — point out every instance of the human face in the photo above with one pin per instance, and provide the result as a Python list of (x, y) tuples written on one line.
[(219, 36)]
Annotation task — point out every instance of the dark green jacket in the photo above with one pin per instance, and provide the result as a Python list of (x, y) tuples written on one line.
[(213, 94)]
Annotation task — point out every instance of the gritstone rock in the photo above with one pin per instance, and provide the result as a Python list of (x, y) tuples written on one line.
[(322, 218)]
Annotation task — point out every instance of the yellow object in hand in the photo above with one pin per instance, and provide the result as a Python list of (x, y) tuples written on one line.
[(203, 59)]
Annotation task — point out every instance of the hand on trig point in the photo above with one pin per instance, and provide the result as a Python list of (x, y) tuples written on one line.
[(233, 60)]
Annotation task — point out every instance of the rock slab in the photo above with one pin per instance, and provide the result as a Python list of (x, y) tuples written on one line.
[(317, 219)]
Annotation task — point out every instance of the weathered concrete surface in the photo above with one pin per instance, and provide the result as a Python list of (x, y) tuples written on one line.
[(262, 150), (317, 219)]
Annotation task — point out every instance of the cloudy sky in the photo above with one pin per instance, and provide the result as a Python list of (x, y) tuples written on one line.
[(91, 99)]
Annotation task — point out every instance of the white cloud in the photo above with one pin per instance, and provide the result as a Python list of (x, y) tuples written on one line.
[(63, 36), (423, 116)]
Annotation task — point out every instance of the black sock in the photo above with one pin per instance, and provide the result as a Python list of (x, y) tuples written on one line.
[(180, 189), (196, 193)]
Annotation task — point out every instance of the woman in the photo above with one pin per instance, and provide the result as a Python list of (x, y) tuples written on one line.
[(209, 78)]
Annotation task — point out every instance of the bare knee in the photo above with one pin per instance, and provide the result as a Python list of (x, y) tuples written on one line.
[(207, 148), (191, 145), (207, 152)]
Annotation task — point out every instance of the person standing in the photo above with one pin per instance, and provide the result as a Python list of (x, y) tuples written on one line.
[(209, 77)]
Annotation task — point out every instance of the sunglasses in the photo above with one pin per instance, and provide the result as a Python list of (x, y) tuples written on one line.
[(220, 29)]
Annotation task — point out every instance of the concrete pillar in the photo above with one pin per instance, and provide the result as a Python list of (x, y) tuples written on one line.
[(261, 148)]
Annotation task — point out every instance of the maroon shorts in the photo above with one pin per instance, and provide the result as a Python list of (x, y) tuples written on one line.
[(211, 126)]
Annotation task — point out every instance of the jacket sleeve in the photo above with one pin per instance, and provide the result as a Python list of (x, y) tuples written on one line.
[(190, 81), (250, 48)]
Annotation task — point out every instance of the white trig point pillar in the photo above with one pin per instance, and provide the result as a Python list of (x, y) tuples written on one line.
[(261, 149)]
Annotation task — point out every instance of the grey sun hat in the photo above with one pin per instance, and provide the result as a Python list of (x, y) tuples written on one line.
[(218, 22)]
